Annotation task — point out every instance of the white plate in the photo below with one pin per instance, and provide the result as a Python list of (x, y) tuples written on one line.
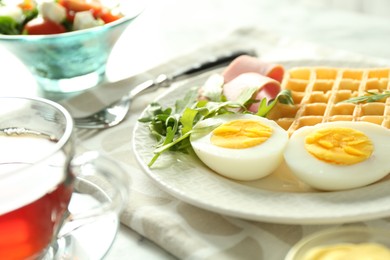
[(279, 198)]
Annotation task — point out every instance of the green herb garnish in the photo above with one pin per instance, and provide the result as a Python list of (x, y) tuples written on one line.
[(8, 26), (172, 127), (370, 97), (283, 97)]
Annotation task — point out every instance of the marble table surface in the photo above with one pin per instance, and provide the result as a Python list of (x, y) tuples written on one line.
[(170, 28)]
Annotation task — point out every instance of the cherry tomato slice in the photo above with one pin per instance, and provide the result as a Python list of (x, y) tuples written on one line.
[(40, 26), (82, 5), (109, 17)]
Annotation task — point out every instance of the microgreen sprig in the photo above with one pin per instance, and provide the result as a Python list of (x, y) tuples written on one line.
[(370, 97)]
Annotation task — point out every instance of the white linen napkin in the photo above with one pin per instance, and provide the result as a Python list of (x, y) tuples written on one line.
[(186, 231)]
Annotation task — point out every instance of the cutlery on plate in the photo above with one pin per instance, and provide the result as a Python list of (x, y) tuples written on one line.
[(115, 113)]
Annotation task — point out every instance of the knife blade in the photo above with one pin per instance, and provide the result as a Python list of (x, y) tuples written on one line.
[(91, 102)]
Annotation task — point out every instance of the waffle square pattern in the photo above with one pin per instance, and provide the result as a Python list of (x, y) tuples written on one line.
[(318, 93)]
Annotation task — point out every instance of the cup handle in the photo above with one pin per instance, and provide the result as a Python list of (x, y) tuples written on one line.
[(101, 180)]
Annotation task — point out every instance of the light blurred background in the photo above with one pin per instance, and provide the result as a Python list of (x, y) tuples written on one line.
[(369, 7)]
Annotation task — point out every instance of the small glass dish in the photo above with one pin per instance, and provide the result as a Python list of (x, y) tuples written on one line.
[(71, 61), (340, 235)]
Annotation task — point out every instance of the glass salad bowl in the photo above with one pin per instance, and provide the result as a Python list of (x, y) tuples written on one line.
[(73, 60)]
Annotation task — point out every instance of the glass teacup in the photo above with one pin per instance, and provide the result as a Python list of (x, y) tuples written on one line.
[(40, 177)]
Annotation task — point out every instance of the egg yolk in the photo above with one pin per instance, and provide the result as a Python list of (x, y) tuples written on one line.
[(344, 146), (240, 134)]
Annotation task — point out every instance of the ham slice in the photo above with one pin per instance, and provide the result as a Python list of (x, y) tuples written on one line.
[(247, 72), (245, 63), (268, 87)]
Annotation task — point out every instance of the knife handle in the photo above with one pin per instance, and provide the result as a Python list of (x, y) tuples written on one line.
[(165, 80), (214, 62)]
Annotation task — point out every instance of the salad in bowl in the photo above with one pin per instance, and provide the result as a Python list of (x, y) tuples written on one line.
[(30, 17)]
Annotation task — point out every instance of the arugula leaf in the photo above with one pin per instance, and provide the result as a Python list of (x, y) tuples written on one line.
[(246, 95), (188, 101), (187, 120), (370, 97), (283, 97)]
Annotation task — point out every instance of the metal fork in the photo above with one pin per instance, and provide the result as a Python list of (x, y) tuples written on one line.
[(115, 113)]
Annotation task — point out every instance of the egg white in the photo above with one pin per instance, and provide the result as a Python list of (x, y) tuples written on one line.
[(328, 176), (241, 164)]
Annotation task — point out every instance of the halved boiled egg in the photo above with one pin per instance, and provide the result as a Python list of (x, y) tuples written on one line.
[(240, 146), (339, 155)]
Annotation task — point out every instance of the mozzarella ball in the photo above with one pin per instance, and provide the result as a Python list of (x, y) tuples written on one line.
[(242, 147), (339, 155)]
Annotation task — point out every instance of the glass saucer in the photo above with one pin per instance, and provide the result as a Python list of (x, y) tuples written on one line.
[(89, 237)]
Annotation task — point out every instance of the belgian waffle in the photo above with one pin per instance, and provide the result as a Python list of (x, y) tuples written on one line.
[(318, 91)]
